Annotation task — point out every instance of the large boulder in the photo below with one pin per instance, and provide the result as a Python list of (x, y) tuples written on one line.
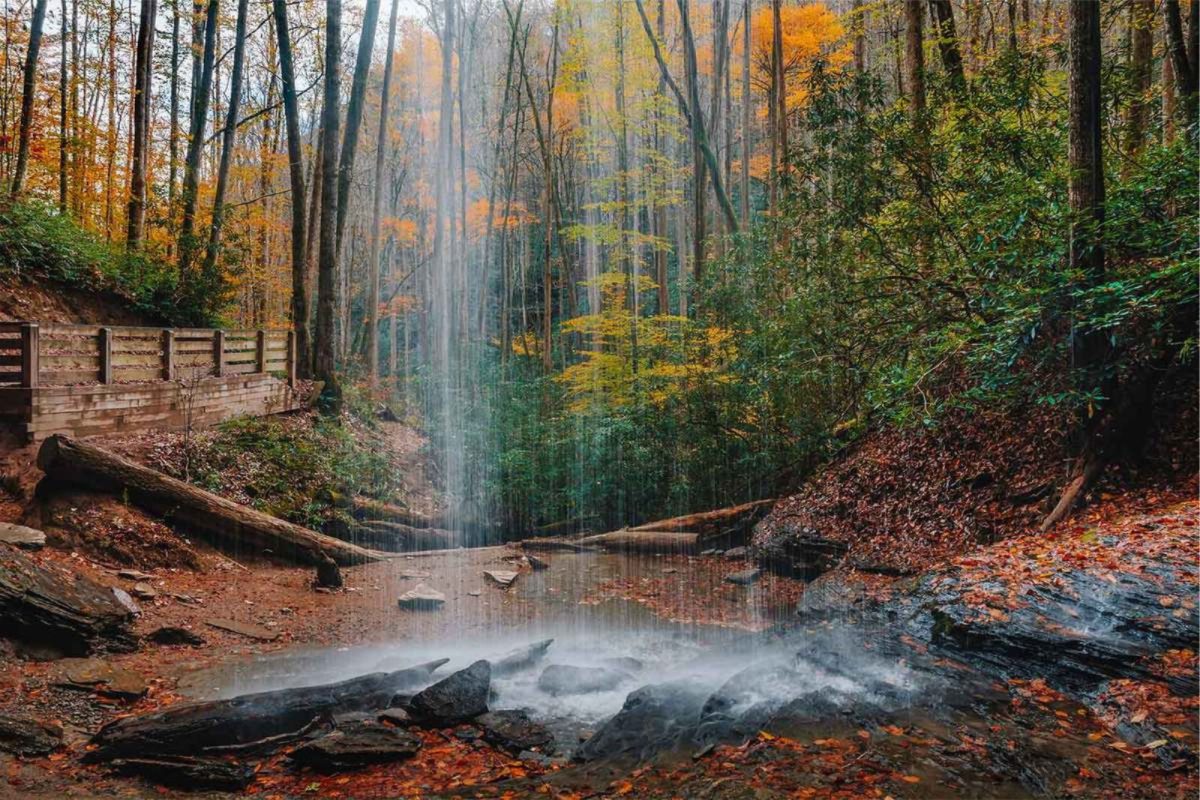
[(653, 719), (357, 744), (26, 736), (460, 697), (561, 679), (522, 658)]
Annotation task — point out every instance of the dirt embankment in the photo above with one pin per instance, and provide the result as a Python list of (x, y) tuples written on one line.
[(44, 301)]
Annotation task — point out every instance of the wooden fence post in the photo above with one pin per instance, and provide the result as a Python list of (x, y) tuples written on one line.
[(168, 354), (106, 355), (219, 353), (261, 352), (29, 355), (291, 358)]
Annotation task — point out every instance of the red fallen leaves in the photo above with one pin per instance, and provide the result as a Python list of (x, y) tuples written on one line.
[(444, 765)]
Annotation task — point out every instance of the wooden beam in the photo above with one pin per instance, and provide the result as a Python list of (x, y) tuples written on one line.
[(106, 355), (30, 343), (219, 354), (168, 354)]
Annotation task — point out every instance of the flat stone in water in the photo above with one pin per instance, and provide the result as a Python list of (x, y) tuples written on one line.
[(422, 598), (26, 736), (247, 629), (744, 578), (513, 731), (357, 744), (562, 679), (20, 536), (522, 658), (501, 576)]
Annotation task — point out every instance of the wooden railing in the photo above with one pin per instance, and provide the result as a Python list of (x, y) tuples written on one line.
[(33, 355)]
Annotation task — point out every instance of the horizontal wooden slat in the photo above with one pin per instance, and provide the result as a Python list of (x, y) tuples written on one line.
[(239, 369), (137, 360), (137, 374), (55, 330), (68, 376), (193, 359), (61, 361)]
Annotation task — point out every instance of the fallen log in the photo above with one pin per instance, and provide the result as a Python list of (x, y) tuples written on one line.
[(396, 537), (712, 523), (215, 726), (366, 508), (70, 613), (551, 544), (632, 541), (222, 521)]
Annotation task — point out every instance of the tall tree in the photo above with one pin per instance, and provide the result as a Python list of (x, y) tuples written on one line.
[(1182, 52), (747, 111), (354, 113), (291, 116), (947, 41), (1141, 54), (327, 245), (173, 136), (914, 57), (373, 263), (64, 128), (228, 140), (1085, 195), (143, 72), (191, 166), (28, 89)]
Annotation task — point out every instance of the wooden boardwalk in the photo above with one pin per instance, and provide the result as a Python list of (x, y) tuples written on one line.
[(84, 380)]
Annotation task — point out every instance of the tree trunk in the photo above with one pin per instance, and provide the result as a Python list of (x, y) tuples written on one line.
[(373, 262), (643, 541), (947, 33), (354, 113), (327, 247), (173, 136), (180, 504), (1182, 62), (781, 118), (64, 130), (28, 89), (914, 57), (1141, 23), (291, 115), (709, 523), (191, 166), (228, 140), (192, 728), (747, 113), (143, 72)]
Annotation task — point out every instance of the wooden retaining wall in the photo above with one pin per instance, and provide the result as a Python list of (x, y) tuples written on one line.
[(86, 380)]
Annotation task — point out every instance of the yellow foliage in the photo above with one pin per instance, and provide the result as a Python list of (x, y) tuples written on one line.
[(810, 31), (671, 354)]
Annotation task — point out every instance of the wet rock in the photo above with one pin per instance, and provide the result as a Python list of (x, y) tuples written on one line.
[(459, 697), (396, 717), (468, 734), (134, 575), (329, 575), (521, 659), (247, 629), (126, 601), (357, 745), (22, 537), (26, 736), (653, 719), (172, 635), (188, 773), (624, 663), (503, 577), (563, 679), (513, 731), (744, 578), (712, 551), (143, 591), (800, 552), (101, 676), (536, 563), (735, 553), (422, 598), (744, 703)]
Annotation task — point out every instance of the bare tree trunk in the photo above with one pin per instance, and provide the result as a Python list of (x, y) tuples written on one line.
[(28, 89), (947, 33), (143, 74), (354, 113), (747, 112), (228, 140), (327, 255), (64, 130), (373, 263), (1141, 23), (291, 114), (191, 167), (914, 57), (1182, 62), (1086, 199), (173, 136), (781, 117)]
